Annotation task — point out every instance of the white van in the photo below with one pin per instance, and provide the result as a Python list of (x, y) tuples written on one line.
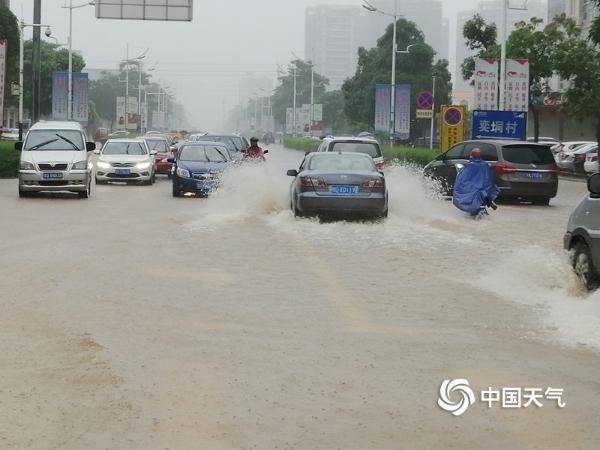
[(55, 157)]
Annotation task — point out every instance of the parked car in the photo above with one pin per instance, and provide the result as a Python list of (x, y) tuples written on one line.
[(591, 161), (366, 145), (568, 148), (575, 162), (127, 160), (333, 183), (198, 167), (9, 134), (582, 238), (55, 157), (163, 150), (523, 170)]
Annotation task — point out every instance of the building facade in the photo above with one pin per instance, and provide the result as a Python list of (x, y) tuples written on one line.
[(334, 33)]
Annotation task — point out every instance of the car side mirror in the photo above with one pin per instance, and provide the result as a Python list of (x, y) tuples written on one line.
[(153, 152), (292, 173), (594, 185), (265, 152), (171, 160), (307, 153), (90, 146), (19, 146), (96, 152)]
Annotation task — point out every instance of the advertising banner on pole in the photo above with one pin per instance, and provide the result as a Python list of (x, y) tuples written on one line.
[(3, 47), (452, 126), (60, 101), (486, 83), (171, 10), (383, 94), (80, 97), (517, 85), (403, 115), (499, 125), (132, 109)]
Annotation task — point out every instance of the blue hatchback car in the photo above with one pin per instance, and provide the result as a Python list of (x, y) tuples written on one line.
[(198, 167)]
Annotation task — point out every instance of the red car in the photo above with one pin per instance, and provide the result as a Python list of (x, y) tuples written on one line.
[(163, 152)]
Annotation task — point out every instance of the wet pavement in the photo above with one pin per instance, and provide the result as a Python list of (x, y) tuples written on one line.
[(136, 320)]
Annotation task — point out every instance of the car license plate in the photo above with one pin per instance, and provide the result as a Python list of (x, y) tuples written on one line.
[(122, 171), (52, 176), (535, 175), (343, 190)]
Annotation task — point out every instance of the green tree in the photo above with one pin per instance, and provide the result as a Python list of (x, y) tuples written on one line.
[(9, 30), (333, 112), (283, 97), (416, 68), (54, 59), (531, 41), (577, 59)]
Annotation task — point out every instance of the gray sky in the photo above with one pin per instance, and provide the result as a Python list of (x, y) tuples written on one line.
[(202, 60)]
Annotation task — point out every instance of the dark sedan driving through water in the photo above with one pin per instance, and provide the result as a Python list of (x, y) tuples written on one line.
[(338, 183)]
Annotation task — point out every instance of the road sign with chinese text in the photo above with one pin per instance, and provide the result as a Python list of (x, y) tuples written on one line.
[(453, 126), (510, 125), (424, 113)]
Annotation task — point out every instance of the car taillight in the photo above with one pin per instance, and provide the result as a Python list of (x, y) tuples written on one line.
[(380, 165), (554, 169), (316, 183), (373, 183), (594, 158), (580, 157), (505, 168)]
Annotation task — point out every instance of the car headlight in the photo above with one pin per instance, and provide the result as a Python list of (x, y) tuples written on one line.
[(143, 165), (81, 165), (26, 166), (103, 165), (184, 173)]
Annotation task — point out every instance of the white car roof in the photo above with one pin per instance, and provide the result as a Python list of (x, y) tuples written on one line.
[(57, 125), (351, 139)]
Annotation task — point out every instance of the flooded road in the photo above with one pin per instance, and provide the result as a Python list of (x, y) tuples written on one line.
[(138, 321)]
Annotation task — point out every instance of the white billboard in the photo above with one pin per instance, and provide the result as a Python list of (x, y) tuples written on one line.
[(486, 84), (517, 85), (175, 10)]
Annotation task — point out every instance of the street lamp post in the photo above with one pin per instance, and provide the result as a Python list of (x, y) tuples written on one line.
[(432, 117), (22, 27), (135, 61), (505, 7), (70, 81)]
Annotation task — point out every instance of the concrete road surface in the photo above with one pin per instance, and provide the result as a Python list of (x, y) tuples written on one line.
[(134, 320)]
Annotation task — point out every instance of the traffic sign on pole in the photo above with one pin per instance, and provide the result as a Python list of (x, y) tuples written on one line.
[(425, 100), (510, 125), (453, 126)]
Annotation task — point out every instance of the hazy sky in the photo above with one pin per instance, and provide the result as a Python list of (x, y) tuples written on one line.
[(202, 60)]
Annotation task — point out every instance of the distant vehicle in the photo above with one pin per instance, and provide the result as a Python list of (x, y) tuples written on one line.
[(55, 157), (101, 135), (164, 151), (582, 237), (119, 134), (555, 144), (9, 134), (198, 167), (575, 162), (591, 161), (569, 147), (523, 170), (127, 160), (365, 145), (334, 183), (235, 144)]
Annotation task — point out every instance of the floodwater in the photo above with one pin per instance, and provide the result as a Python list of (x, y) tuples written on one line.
[(135, 320)]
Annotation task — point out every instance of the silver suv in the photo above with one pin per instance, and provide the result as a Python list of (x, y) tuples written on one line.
[(582, 238), (55, 157)]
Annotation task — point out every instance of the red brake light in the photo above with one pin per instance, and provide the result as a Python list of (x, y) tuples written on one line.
[(580, 157), (380, 165), (505, 168), (373, 183), (316, 183)]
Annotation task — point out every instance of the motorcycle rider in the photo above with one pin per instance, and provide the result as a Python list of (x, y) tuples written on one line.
[(254, 151), (474, 188)]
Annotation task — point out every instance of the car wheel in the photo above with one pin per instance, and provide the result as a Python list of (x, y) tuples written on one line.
[(175, 190), (24, 194), (169, 176), (543, 201), (101, 181), (153, 179), (583, 265), (86, 193)]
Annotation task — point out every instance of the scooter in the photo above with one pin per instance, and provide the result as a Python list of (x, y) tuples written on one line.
[(482, 211), (254, 159)]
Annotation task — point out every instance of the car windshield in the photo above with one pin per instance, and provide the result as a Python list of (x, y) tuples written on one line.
[(157, 145), (341, 163), (368, 148), (226, 140), (203, 153), (239, 143), (528, 155), (124, 148), (54, 140)]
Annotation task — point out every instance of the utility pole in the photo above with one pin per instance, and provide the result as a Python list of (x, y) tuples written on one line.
[(295, 95), (37, 60), (432, 117)]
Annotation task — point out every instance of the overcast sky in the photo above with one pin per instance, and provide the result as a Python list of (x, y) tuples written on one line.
[(202, 60)]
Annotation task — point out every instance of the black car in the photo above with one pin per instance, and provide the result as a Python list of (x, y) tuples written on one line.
[(523, 170), (234, 143), (334, 183)]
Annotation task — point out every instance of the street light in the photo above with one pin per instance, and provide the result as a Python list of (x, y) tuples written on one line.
[(127, 62), (369, 7), (70, 81), (48, 33)]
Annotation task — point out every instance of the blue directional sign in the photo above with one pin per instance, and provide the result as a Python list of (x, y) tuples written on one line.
[(499, 125)]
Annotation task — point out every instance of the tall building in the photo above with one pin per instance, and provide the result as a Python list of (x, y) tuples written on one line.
[(334, 33), (492, 11)]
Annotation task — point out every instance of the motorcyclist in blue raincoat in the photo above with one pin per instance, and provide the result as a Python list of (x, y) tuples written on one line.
[(474, 188)]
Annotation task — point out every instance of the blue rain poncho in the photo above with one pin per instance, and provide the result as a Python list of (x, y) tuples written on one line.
[(474, 187)]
